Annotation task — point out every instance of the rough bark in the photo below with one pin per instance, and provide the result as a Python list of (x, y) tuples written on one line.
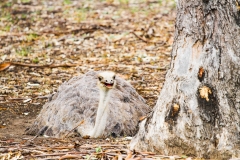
[(198, 110)]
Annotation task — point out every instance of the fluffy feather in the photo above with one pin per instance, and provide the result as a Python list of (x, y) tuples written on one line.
[(77, 100)]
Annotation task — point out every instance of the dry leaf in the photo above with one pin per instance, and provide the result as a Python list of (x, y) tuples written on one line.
[(142, 118), (4, 66)]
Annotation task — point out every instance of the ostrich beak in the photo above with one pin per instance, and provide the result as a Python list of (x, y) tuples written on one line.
[(108, 85)]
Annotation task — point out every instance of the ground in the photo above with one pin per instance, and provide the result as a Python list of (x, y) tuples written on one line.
[(45, 43)]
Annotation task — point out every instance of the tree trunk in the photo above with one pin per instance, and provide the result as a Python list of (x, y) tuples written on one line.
[(198, 110)]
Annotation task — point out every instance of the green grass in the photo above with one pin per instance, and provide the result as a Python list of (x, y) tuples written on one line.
[(98, 149), (7, 17), (6, 28), (32, 37), (81, 14), (35, 60), (67, 2), (25, 1), (123, 1), (25, 51)]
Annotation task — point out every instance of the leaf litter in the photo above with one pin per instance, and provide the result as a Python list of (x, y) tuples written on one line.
[(44, 43)]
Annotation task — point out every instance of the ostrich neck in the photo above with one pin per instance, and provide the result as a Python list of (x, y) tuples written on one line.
[(102, 114), (103, 99)]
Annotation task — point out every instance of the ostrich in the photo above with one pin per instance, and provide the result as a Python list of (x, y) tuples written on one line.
[(105, 103)]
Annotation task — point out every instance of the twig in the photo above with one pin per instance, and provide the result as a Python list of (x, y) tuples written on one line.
[(52, 32), (139, 37), (68, 156), (54, 154), (74, 129), (103, 145), (36, 65), (45, 65), (92, 28), (58, 154), (146, 41), (8, 142), (44, 97), (71, 31), (63, 147), (42, 130)]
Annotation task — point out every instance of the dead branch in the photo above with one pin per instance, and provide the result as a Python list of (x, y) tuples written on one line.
[(51, 32), (8, 64), (43, 66)]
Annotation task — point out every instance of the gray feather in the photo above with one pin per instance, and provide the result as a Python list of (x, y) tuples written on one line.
[(78, 99)]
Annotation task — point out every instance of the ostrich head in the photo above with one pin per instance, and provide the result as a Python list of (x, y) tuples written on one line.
[(106, 80)]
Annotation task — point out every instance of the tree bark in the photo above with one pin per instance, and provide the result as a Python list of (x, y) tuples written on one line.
[(198, 110)]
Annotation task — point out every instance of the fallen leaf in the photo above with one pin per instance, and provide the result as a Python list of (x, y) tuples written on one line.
[(4, 66), (142, 118)]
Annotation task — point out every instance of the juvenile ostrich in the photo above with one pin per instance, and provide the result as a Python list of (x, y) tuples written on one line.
[(105, 103)]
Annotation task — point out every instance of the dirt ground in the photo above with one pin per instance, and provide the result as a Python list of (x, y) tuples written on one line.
[(44, 43)]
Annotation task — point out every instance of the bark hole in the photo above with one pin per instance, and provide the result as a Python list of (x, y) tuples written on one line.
[(172, 117), (237, 14), (208, 104), (201, 74), (148, 118), (173, 114), (237, 17)]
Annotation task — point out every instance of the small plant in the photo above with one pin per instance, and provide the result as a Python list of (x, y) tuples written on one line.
[(7, 17), (184, 156), (26, 1), (35, 60), (67, 2), (134, 10), (87, 157), (6, 28), (9, 4), (160, 2), (98, 149), (24, 16), (81, 15), (32, 37), (24, 51), (124, 2)]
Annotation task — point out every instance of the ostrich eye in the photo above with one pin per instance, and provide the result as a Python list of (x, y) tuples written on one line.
[(114, 77), (100, 78)]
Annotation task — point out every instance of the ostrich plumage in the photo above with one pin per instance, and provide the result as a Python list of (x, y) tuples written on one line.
[(77, 100)]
